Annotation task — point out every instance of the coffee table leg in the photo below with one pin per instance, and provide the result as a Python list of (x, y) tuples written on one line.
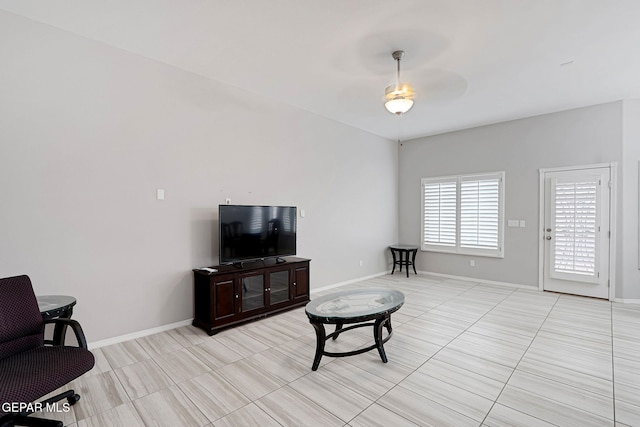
[(388, 325), (377, 334), (320, 340), (338, 328)]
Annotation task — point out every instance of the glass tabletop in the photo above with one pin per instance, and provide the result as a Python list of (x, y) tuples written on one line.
[(53, 302), (355, 303)]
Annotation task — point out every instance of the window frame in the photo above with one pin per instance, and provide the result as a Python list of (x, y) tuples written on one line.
[(457, 248)]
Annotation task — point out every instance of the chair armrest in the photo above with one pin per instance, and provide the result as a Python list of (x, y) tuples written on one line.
[(75, 326)]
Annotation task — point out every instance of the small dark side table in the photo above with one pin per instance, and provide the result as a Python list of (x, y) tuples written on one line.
[(401, 254), (53, 307)]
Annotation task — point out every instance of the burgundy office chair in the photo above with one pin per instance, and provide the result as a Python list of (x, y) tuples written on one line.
[(28, 369)]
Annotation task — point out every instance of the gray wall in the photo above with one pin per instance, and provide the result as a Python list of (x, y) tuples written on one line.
[(521, 147), (89, 132), (630, 265)]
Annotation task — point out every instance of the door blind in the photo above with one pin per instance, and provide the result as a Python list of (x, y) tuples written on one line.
[(439, 220), (576, 227), (479, 213)]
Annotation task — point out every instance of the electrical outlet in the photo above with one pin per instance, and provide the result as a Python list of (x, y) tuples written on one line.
[(472, 263), (227, 201), (361, 263)]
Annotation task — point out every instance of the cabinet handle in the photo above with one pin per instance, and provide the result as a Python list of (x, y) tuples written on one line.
[(295, 284), (237, 296)]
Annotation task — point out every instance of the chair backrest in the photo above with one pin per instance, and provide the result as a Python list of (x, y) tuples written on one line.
[(21, 326)]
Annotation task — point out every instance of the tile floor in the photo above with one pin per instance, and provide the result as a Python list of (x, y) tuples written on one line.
[(462, 354)]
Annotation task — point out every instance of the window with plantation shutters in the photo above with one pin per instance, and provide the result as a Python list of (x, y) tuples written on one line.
[(463, 214)]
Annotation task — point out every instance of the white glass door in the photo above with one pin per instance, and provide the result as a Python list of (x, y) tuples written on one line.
[(576, 232)]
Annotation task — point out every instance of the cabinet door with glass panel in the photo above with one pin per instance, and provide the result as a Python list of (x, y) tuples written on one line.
[(252, 291), (279, 287)]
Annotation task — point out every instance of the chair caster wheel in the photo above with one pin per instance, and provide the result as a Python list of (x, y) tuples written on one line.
[(73, 399)]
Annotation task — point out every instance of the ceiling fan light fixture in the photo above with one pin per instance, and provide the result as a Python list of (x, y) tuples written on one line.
[(398, 98)]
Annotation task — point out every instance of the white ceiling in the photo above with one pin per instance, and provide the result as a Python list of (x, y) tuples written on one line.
[(471, 62)]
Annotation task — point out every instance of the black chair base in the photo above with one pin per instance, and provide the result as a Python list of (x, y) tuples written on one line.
[(22, 420)]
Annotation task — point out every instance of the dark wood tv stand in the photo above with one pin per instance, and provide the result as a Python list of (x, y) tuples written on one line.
[(239, 293)]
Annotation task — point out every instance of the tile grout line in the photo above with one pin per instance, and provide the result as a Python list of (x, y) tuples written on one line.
[(252, 401), (431, 357), (113, 370), (467, 330), (131, 400), (210, 370), (405, 377), (613, 366), (517, 364), (546, 317)]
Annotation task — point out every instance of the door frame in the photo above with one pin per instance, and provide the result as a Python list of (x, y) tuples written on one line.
[(613, 171)]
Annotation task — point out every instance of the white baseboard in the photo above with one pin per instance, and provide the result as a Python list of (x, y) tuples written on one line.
[(146, 332), (348, 282), (514, 285), (484, 282), (627, 300), (139, 334)]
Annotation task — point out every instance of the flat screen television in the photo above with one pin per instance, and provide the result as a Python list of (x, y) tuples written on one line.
[(256, 232)]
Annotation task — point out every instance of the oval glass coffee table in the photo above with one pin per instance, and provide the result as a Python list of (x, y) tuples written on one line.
[(353, 306)]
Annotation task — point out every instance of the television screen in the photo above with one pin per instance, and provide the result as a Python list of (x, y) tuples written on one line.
[(256, 232)]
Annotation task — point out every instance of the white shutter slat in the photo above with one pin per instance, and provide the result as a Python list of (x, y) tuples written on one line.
[(439, 226), (479, 213), (575, 221)]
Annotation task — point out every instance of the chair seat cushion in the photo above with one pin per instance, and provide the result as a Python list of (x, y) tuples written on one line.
[(27, 376)]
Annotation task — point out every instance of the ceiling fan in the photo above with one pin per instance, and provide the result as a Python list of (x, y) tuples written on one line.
[(399, 97)]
